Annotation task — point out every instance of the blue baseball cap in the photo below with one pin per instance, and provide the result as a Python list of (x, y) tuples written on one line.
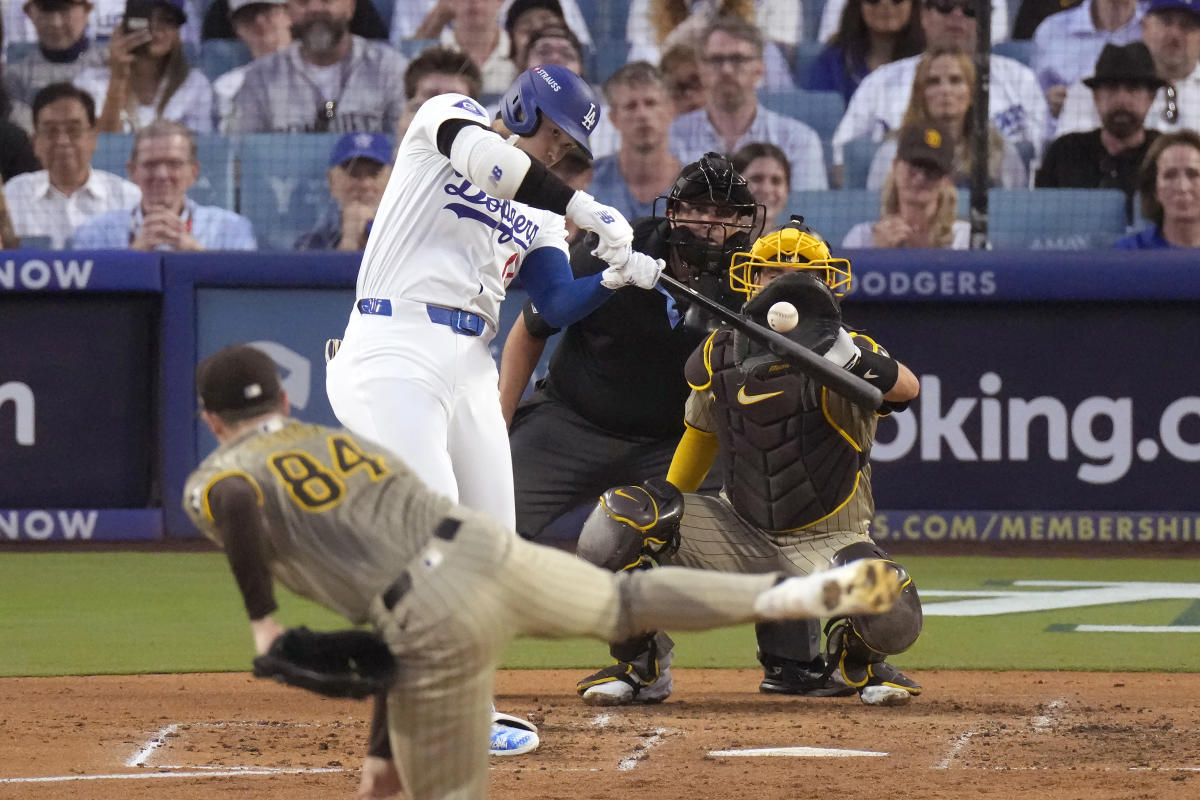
[(1166, 5), (375, 146)]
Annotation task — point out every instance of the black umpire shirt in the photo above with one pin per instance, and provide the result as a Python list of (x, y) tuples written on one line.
[(1079, 161), (621, 366)]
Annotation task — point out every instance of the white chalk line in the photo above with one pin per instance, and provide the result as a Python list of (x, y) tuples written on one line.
[(156, 741), (193, 772), (955, 748), (639, 753)]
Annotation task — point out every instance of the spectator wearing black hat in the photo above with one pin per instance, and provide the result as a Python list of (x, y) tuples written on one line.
[(1123, 87), (64, 50), (918, 202), (148, 77), (426, 19), (264, 26)]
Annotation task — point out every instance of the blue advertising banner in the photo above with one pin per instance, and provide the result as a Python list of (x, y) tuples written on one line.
[(1039, 406), (93, 271), (78, 401), (81, 525)]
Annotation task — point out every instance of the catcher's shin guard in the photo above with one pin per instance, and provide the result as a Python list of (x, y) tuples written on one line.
[(856, 646), (642, 674), (632, 526)]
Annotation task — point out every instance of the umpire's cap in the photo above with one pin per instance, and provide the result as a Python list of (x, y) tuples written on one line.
[(237, 379)]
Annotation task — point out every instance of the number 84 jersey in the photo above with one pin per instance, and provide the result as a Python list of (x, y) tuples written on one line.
[(339, 515)]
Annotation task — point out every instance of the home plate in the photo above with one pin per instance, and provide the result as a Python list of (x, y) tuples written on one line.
[(797, 752)]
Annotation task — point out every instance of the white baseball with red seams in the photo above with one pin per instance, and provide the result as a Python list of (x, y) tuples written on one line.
[(783, 316)]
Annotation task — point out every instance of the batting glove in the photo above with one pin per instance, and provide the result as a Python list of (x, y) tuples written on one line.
[(844, 352), (608, 223), (638, 270)]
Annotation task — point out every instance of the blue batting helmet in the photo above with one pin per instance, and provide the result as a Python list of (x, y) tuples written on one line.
[(561, 95)]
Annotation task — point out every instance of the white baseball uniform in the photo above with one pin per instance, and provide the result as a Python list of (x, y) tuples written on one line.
[(414, 371)]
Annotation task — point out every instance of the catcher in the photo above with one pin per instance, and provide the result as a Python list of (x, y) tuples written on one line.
[(796, 495), (337, 520)]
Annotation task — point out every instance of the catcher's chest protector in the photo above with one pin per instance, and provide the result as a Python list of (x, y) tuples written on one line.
[(788, 466)]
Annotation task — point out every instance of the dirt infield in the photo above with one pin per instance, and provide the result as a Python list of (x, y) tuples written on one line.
[(1010, 736)]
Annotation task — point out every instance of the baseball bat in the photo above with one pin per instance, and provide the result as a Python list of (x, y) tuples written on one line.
[(825, 372)]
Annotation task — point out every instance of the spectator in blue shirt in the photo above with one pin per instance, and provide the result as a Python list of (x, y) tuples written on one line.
[(871, 33), (641, 110), (359, 167), (1170, 188), (164, 166)]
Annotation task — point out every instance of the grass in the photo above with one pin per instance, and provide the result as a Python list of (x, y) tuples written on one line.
[(118, 613)]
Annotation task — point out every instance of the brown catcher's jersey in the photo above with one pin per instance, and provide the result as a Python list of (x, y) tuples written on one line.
[(796, 454), (341, 517)]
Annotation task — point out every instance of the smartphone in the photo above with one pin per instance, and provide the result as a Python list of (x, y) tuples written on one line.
[(137, 15)]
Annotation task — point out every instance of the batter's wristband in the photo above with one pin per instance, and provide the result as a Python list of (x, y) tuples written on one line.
[(878, 370)]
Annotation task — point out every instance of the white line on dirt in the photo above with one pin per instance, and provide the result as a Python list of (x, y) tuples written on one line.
[(156, 741), (601, 720), (639, 752), (955, 748), (130, 776), (798, 752), (1044, 723)]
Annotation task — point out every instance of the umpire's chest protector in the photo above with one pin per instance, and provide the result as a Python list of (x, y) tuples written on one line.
[(789, 464)]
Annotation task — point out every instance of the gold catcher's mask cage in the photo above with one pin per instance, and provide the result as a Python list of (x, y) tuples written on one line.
[(790, 247)]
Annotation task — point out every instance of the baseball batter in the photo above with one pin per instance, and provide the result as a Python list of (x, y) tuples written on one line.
[(796, 492), (463, 213), (341, 521)]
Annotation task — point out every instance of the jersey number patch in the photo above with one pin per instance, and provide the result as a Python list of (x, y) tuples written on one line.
[(315, 487)]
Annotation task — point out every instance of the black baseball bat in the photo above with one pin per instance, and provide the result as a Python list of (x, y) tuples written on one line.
[(825, 372)]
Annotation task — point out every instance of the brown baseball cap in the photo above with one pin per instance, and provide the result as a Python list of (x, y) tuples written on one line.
[(237, 378), (927, 146)]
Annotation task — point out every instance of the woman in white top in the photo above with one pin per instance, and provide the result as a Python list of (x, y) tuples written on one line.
[(919, 203), (942, 94), (148, 76)]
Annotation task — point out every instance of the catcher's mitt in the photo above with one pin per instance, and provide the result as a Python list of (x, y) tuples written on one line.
[(820, 314), (336, 664)]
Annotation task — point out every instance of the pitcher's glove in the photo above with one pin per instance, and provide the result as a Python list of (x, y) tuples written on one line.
[(336, 664)]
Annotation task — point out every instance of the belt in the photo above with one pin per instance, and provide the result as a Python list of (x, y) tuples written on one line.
[(446, 530), (456, 319)]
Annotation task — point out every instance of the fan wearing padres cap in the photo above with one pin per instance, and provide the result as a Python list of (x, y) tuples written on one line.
[(338, 519), (796, 493), (918, 202)]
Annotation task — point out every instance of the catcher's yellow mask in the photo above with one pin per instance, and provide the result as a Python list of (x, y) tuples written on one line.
[(788, 248)]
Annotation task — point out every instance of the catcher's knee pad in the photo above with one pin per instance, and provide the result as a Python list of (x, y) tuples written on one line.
[(870, 638), (632, 526)]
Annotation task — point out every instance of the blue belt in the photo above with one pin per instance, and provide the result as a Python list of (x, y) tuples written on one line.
[(459, 321)]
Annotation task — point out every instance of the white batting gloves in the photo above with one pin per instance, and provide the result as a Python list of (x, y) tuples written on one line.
[(609, 224), (845, 352), (638, 270)]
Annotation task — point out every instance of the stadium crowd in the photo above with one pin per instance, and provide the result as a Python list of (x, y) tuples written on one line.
[(857, 114)]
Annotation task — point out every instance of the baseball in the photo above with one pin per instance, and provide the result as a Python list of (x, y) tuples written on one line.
[(783, 316)]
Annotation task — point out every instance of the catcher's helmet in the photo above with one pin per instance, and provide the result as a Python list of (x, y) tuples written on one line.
[(795, 246), (557, 93), (711, 189)]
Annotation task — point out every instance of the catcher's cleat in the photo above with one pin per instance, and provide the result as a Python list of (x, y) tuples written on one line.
[(331, 348), (878, 684), (802, 678), (624, 683), (866, 586)]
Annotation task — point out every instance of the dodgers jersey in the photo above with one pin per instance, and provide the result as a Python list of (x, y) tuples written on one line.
[(440, 239)]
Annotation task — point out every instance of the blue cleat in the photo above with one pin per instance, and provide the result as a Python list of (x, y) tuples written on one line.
[(512, 736)]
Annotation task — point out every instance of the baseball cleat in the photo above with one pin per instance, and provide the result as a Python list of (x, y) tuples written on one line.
[(624, 684), (512, 736), (866, 586)]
